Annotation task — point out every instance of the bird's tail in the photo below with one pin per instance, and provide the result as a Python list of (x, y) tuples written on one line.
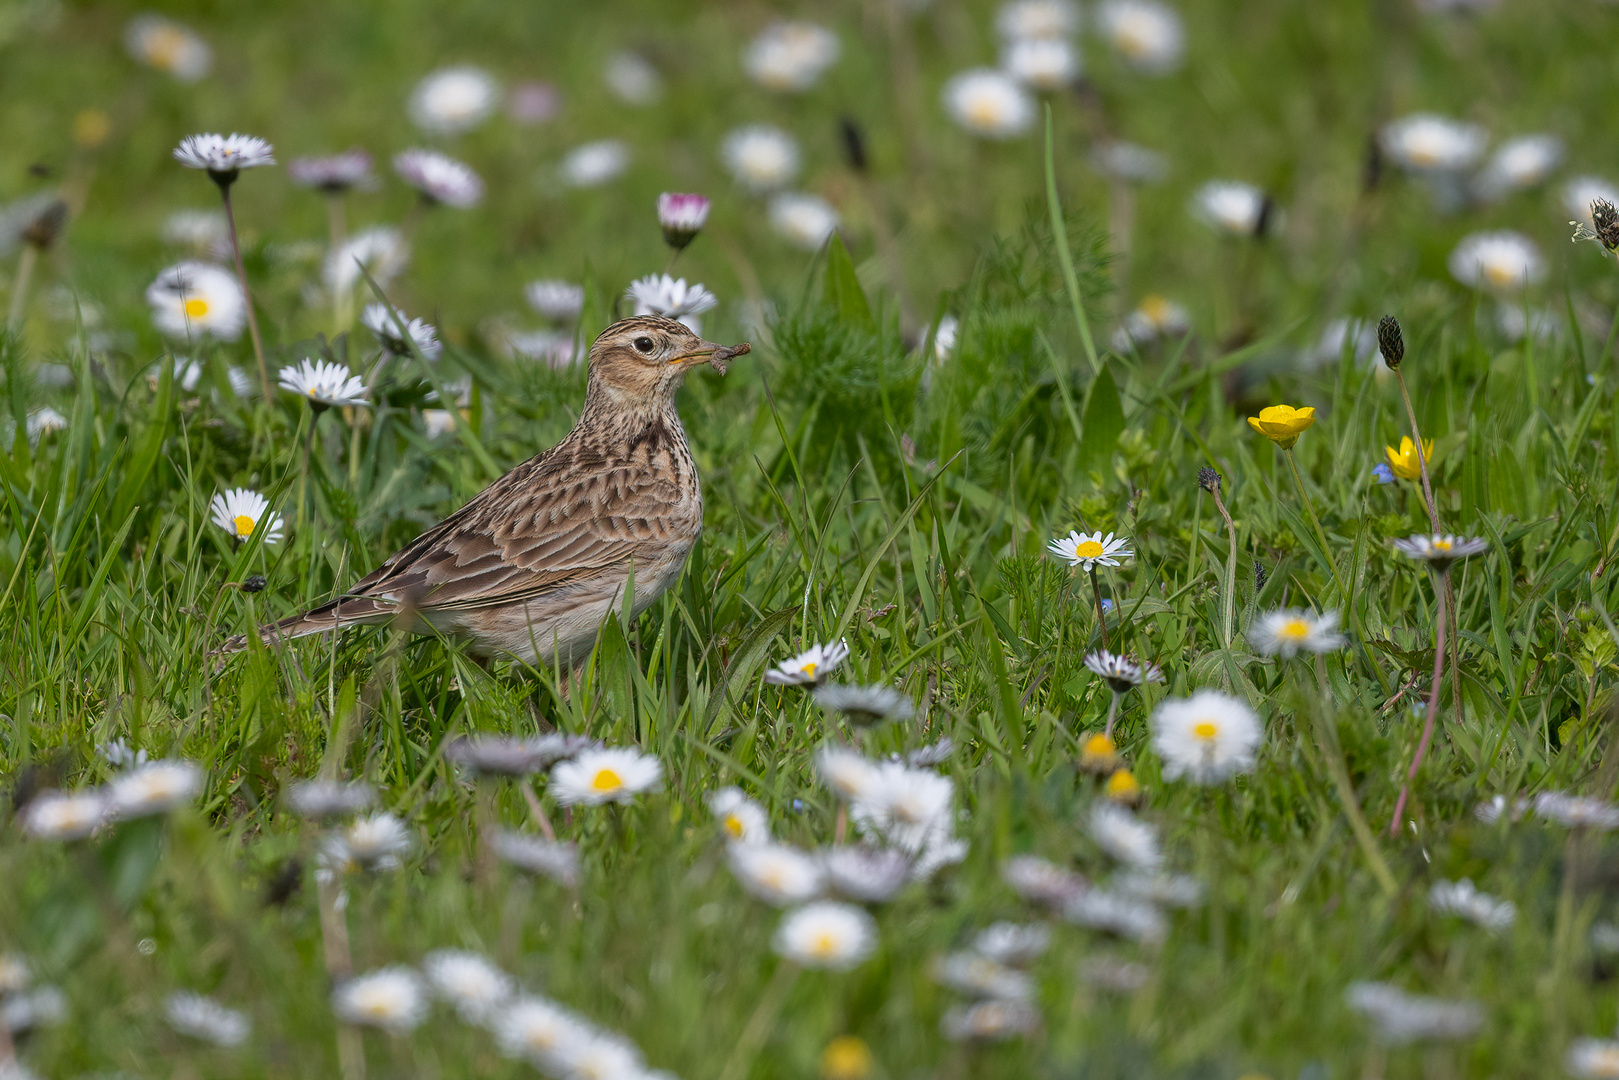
[(344, 611)]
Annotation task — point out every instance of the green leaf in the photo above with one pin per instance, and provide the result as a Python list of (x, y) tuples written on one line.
[(1104, 419), (843, 292)]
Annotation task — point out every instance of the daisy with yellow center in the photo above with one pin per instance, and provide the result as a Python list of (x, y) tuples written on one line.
[(826, 935), (1099, 754), (740, 819), (1123, 787), (1090, 550), (241, 511), (613, 774), (193, 300), (1206, 738), (1404, 462), (809, 667), (393, 999), (1290, 631)]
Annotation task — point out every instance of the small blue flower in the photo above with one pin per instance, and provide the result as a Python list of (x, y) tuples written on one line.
[(1107, 607), (1383, 473)]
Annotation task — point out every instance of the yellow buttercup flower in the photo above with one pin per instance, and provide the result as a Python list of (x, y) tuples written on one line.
[(1282, 424), (1403, 462)]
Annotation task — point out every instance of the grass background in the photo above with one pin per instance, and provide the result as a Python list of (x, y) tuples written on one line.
[(818, 526)]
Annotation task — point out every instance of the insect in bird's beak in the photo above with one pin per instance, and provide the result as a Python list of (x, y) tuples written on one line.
[(717, 356)]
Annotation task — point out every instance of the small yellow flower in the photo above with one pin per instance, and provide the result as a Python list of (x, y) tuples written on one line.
[(1123, 787), (1282, 424), (846, 1057), (1403, 462), (1098, 754)]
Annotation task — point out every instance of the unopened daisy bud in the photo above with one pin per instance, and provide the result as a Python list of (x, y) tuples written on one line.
[(1209, 480), (682, 217), (1606, 220), (1099, 754), (854, 143), (254, 583), (1123, 787), (42, 230)]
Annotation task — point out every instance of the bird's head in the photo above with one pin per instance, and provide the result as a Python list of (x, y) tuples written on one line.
[(641, 361)]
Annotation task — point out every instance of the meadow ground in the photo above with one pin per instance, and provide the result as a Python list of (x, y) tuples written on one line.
[(1023, 326)]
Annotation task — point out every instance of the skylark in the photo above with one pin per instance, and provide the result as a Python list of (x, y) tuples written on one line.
[(533, 564)]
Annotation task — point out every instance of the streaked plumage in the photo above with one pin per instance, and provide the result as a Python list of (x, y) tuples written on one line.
[(532, 564)]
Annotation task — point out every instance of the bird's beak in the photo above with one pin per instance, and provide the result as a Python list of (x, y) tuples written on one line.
[(716, 356)]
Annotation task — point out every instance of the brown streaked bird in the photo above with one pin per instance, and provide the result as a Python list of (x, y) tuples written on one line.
[(531, 566)]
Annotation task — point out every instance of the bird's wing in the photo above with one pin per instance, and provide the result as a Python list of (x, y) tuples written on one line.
[(535, 530)]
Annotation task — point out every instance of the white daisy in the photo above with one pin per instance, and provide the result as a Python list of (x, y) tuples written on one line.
[(324, 384), (65, 815), (154, 788), (439, 178), (673, 298), (944, 337), (681, 216), (1038, 20), (391, 998), (864, 873), (1577, 811), (612, 774), (1206, 737), (536, 855), (595, 163), (1116, 913), (1593, 1059), (15, 974), (1121, 673), (120, 755), (42, 422), (790, 56), (851, 776), (1153, 319), (1463, 898), (453, 100), (1125, 837), (193, 300), (989, 104), (378, 319), (538, 1031), (1289, 631), (811, 666), (632, 79), (740, 819), (1439, 551), (239, 511), (978, 975), (1013, 943), (1580, 192), (168, 46), (1165, 890), (559, 301), (44, 1006), (1519, 163), (1126, 161), (1398, 1017), (826, 935), (320, 799), (909, 808), (761, 157), (599, 1055), (557, 348), (864, 705), (1148, 34), (1428, 143), (1090, 550), (1045, 64), (989, 1021), (1501, 261), (470, 984), (334, 173), (1232, 207), (204, 232), (223, 156), (533, 102), (375, 842), (381, 251), (776, 873), (803, 220), (206, 1019), (1040, 881)]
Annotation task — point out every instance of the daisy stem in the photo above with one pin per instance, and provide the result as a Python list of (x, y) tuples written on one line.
[(1101, 613), (247, 298), (1230, 599), (337, 236), (1112, 715), (1320, 533), (350, 1052), (674, 256), (1422, 459), (19, 286), (1433, 701), (537, 812), (484, 864), (1327, 735), (759, 1024)]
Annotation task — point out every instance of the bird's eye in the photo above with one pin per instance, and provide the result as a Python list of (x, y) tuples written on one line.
[(644, 344)]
